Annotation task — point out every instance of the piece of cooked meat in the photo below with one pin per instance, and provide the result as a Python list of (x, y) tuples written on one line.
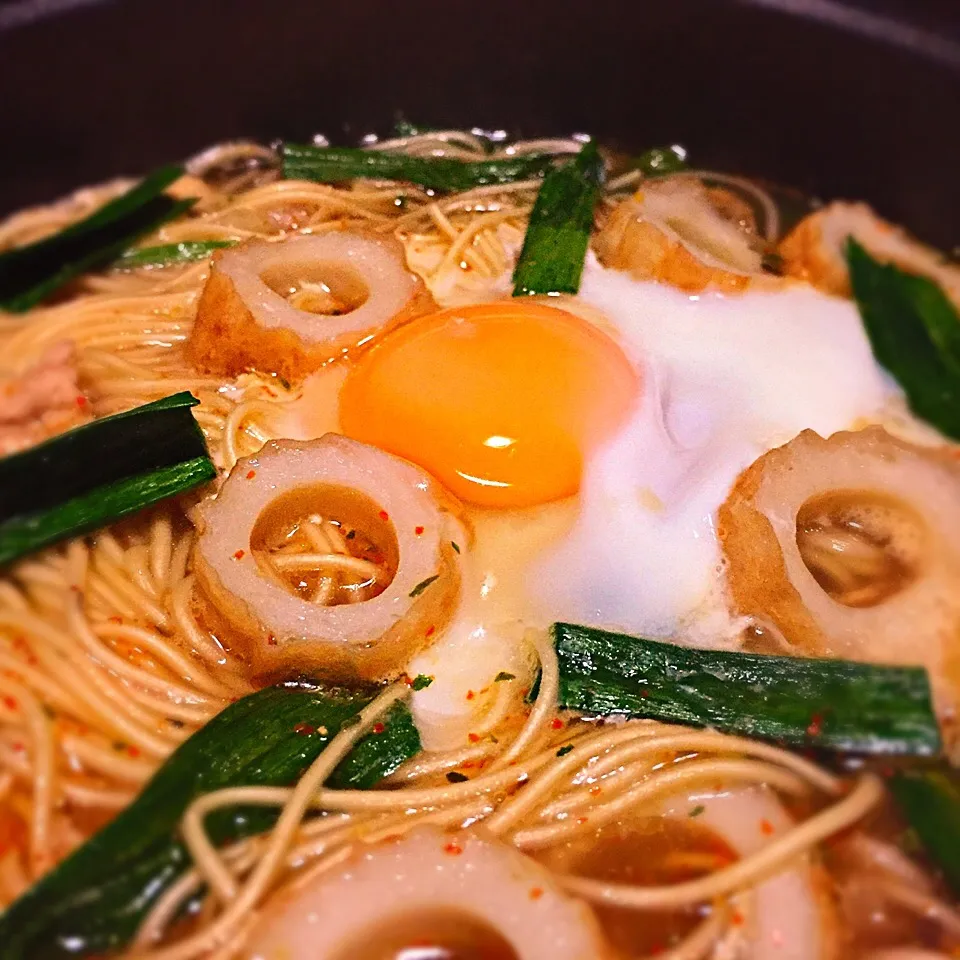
[(42, 401)]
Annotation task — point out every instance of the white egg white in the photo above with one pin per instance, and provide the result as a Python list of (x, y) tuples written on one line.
[(726, 378)]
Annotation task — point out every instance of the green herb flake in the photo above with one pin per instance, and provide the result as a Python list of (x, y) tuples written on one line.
[(909, 841), (423, 584), (455, 546), (503, 675), (697, 810), (421, 681), (565, 749), (454, 777)]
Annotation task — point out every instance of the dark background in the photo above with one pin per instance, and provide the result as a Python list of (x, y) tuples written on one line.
[(840, 99), (938, 15)]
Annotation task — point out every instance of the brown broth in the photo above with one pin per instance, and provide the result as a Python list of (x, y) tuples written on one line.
[(648, 851)]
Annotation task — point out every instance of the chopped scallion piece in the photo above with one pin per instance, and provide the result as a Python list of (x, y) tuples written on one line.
[(30, 274), (661, 161), (558, 233), (333, 164), (930, 800), (406, 128), (832, 704), (92, 903), (914, 329), (98, 473), (170, 253)]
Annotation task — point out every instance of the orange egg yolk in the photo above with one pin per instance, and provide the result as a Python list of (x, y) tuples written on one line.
[(502, 402)]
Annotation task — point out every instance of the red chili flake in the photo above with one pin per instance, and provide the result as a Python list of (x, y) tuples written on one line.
[(17, 747), (454, 849), (470, 694), (766, 827), (81, 401), (594, 791), (271, 641), (10, 703), (239, 555), (251, 474), (431, 630), (133, 752), (816, 725), (737, 918), (581, 820), (115, 619), (378, 728), (473, 737), (304, 729), (384, 515), (556, 723), (536, 893), (418, 531)]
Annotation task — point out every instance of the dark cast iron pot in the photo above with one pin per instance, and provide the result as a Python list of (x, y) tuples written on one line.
[(841, 99)]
